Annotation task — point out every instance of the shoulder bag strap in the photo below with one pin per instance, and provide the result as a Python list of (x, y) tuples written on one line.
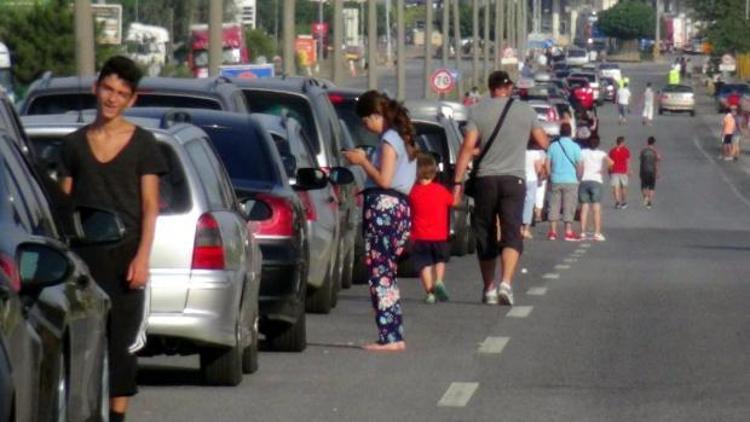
[(486, 148)]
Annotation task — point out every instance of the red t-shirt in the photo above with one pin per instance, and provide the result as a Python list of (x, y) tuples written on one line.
[(430, 207), (620, 155)]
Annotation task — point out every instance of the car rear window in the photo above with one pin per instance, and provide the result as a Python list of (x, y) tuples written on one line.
[(741, 88), (432, 138), (278, 103), (608, 66), (588, 76), (243, 153), (174, 192), (678, 88), (576, 53), (63, 103)]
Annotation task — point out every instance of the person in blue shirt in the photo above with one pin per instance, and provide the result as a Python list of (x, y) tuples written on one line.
[(564, 167)]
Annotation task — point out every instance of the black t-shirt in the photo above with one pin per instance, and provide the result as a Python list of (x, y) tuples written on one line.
[(114, 185), (649, 158)]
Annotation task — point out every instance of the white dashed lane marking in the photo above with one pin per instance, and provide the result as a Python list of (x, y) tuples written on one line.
[(458, 394), (493, 345), (537, 291), (520, 312), (551, 276), (562, 267), (586, 245), (570, 260)]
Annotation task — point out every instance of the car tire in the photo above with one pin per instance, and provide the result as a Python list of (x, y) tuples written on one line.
[(222, 365), (661, 111), (250, 353), (104, 387), (284, 337), (347, 278), (360, 274), (692, 113), (319, 300), (61, 388)]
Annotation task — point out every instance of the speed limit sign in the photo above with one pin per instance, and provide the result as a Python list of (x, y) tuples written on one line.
[(442, 81)]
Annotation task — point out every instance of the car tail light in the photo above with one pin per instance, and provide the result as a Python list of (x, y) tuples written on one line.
[(281, 223), (307, 202), (551, 115), (8, 267), (208, 251), (336, 98)]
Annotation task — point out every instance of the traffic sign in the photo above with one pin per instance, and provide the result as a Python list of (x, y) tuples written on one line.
[(442, 81)]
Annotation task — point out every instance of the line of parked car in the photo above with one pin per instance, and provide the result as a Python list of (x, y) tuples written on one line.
[(260, 222)]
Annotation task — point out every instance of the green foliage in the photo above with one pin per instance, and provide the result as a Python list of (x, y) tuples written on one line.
[(260, 44), (727, 28), (628, 20)]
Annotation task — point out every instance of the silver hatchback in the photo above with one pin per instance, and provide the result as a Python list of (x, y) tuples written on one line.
[(205, 261)]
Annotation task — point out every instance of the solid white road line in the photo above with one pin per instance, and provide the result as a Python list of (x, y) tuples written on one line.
[(562, 267), (520, 312), (551, 276), (723, 175), (493, 345), (537, 291), (458, 394)]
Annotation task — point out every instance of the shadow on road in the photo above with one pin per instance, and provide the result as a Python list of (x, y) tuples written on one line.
[(168, 376)]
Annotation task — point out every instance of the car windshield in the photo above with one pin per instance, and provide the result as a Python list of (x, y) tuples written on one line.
[(238, 148), (174, 192), (279, 104), (63, 103)]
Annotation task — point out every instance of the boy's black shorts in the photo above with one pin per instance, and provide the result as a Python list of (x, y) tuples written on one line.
[(648, 181), (424, 253)]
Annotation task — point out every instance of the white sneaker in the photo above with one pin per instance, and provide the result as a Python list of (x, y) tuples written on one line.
[(599, 237), (505, 293), (490, 296)]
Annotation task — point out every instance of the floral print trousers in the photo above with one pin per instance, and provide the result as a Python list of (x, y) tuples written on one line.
[(386, 224)]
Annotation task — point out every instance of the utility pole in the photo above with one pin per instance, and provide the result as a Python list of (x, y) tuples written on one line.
[(657, 31), (457, 42), (556, 20), (320, 35), (523, 33), (427, 47), (475, 42), (486, 52), (446, 31), (401, 53), (388, 48), (214, 37), (338, 41), (288, 30), (499, 29), (372, 44), (511, 23), (84, 35)]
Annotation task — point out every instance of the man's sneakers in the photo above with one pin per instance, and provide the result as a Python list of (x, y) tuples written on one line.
[(551, 236), (429, 299), (599, 237), (505, 294), (490, 296), (621, 205)]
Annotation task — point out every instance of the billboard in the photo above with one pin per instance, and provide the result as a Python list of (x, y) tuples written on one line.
[(247, 71), (108, 17)]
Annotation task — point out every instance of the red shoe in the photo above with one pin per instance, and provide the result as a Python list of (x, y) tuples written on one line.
[(572, 237), (551, 236)]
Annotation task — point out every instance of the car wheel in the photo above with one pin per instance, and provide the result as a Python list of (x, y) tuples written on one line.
[(319, 301), (692, 113), (360, 274), (104, 387), (346, 280), (61, 390), (250, 354), (223, 365), (661, 111), (284, 337), (339, 279)]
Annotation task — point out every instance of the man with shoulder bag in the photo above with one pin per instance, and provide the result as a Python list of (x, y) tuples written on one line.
[(497, 180)]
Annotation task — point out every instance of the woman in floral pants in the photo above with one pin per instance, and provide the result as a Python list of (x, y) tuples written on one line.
[(391, 175)]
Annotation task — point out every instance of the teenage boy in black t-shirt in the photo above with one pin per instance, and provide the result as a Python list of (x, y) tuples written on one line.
[(113, 164)]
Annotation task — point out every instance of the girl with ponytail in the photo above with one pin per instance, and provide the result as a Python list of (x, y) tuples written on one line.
[(386, 220)]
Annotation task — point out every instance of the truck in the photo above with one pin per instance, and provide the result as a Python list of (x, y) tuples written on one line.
[(6, 72), (234, 49), (147, 46)]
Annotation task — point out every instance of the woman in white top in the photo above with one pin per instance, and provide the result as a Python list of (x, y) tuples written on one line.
[(590, 189), (534, 178)]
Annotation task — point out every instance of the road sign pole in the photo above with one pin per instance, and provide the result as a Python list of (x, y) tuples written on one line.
[(401, 53), (427, 47)]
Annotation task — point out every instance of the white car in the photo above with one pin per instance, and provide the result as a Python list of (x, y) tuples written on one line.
[(576, 57), (610, 70)]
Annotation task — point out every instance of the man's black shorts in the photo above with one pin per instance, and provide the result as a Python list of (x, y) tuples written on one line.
[(648, 181), (498, 197), (728, 139), (424, 253)]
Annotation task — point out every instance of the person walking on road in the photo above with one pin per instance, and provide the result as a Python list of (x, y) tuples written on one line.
[(564, 168), (591, 189), (386, 219), (648, 105), (535, 174), (729, 132), (620, 154), (649, 171), (430, 208), (113, 164), (500, 171), (623, 102)]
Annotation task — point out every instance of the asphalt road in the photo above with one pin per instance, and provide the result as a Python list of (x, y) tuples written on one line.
[(651, 325)]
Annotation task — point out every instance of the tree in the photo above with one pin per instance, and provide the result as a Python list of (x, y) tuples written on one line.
[(727, 28), (628, 20)]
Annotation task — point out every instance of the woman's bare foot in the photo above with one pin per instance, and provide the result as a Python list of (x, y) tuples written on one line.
[(398, 346)]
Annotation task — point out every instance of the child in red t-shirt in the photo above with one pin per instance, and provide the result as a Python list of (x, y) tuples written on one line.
[(430, 207)]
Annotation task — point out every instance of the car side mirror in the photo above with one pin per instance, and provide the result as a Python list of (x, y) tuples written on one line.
[(310, 179), (255, 210), (41, 265), (341, 176), (97, 226)]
